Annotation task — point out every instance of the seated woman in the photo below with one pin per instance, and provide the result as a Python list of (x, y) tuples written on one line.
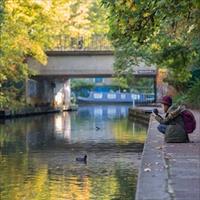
[(172, 125)]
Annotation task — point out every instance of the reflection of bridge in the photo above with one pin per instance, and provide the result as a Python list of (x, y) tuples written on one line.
[(103, 112), (51, 82)]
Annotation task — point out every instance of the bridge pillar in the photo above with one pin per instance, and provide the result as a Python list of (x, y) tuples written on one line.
[(48, 92), (39, 92), (62, 93)]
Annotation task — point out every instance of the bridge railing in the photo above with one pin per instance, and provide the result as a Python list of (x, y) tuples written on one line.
[(64, 43)]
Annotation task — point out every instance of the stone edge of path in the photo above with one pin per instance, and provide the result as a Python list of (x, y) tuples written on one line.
[(153, 182)]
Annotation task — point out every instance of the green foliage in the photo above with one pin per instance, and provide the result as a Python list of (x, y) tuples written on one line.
[(78, 85), (194, 94), (121, 82), (164, 32), (156, 30), (81, 18), (181, 99), (191, 97), (3, 100), (98, 18), (25, 28), (1, 13), (132, 84)]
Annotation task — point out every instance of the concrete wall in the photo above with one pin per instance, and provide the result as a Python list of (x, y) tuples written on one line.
[(52, 92), (39, 92), (75, 65)]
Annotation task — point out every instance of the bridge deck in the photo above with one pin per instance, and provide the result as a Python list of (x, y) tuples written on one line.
[(83, 64)]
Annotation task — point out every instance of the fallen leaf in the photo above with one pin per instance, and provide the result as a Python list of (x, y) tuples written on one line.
[(147, 169), (159, 147)]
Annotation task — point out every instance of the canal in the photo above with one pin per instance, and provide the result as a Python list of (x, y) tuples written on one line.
[(38, 155)]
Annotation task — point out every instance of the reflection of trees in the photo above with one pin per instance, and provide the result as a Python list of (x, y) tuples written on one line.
[(12, 171), (11, 139), (26, 133), (103, 187), (20, 179), (123, 132), (126, 184), (25, 178), (40, 132), (73, 188)]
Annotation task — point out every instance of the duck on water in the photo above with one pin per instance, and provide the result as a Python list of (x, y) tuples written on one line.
[(82, 159)]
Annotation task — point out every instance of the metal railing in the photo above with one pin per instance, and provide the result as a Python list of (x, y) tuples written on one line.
[(144, 99), (67, 43)]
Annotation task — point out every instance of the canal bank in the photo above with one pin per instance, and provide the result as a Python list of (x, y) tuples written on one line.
[(169, 171), (31, 111)]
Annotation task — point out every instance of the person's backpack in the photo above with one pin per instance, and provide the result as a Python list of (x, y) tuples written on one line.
[(189, 121)]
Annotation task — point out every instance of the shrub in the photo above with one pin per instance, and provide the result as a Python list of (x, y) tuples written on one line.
[(193, 94)]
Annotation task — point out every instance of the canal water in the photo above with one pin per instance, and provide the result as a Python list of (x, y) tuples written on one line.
[(38, 155)]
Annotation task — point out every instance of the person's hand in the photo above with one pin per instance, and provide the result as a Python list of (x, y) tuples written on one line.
[(155, 111), (153, 114)]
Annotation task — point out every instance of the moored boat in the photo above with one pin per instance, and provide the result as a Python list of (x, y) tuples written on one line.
[(117, 97)]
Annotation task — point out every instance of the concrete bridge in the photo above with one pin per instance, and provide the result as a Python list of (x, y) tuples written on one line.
[(51, 83), (75, 64)]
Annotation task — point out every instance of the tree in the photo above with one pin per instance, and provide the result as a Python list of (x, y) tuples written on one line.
[(81, 20), (165, 32), (27, 28), (25, 31)]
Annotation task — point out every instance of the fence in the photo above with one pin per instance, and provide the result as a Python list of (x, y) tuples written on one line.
[(64, 43)]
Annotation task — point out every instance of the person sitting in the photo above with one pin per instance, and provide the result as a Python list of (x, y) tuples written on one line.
[(172, 124)]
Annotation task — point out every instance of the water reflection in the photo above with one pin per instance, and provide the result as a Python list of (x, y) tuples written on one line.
[(37, 155), (63, 127)]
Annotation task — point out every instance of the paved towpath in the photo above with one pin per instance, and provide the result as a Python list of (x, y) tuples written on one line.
[(170, 171), (184, 166)]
